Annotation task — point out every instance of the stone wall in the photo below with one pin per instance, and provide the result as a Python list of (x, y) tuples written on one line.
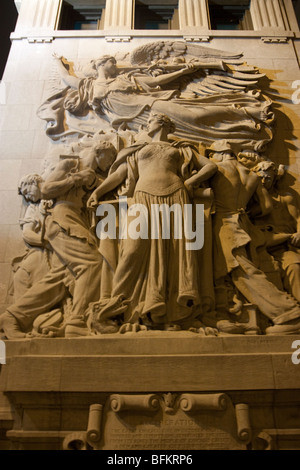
[(29, 76), (29, 80)]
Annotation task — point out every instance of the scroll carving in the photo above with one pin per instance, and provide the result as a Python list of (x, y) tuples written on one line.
[(134, 402), (243, 422), (190, 402)]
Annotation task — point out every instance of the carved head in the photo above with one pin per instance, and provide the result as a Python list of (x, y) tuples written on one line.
[(219, 151), (30, 187), (157, 121), (106, 154), (108, 63), (269, 172)]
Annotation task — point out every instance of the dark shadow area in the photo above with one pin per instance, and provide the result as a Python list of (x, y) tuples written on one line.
[(8, 19), (227, 14), (86, 15), (154, 15)]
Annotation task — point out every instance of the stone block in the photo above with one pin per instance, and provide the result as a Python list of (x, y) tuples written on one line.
[(10, 171), (9, 207), (25, 92), (16, 144), (16, 118)]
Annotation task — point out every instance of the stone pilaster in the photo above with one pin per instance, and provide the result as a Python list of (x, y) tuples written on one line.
[(119, 14), (38, 15), (268, 14), (193, 14)]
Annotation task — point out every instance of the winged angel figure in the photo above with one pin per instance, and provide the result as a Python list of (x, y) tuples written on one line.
[(209, 94)]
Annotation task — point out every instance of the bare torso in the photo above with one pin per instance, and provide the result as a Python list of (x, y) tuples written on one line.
[(233, 186), (158, 167)]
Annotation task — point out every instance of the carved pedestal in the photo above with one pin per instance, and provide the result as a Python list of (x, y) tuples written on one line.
[(156, 391)]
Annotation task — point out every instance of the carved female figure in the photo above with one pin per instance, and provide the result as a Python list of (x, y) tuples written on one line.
[(156, 281), (127, 97)]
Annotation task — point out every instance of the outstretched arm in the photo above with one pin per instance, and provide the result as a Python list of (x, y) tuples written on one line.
[(167, 77), (112, 181), (68, 79)]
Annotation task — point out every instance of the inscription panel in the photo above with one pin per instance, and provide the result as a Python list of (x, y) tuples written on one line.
[(129, 430)]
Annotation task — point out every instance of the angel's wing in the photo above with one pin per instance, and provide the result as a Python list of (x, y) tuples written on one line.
[(235, 78), (160, 50), (235, 75)]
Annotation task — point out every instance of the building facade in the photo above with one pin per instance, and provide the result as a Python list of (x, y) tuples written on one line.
[(53, 388)]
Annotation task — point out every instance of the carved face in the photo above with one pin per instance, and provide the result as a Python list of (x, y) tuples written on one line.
[(154, 125), (267, 177), (105, 159), (31, 192), (110, 67)]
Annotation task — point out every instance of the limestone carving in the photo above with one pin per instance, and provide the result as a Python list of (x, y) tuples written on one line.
[(36, 260), (170, 125), (165, 290), (208, 94), (238, 243), (142, 421), (282, 226)]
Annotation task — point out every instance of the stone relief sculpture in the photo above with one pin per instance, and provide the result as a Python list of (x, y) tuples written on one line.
[(36, 260), (282, 225), (171, 125), (208, 95), (237, 242), (163, 290)]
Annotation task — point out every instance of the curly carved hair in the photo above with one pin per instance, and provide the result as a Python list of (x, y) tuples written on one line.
[(105, 145), (165, 121), (102, 60), (28, 179)]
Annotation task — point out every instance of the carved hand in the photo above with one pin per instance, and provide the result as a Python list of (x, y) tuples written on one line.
[(295, 240), (92, 201), (56, 56), (189, 68)]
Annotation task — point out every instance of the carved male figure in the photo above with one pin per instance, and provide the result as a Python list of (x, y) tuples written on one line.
[(35, 262), (236, 241), (284, 219), (74, 245)]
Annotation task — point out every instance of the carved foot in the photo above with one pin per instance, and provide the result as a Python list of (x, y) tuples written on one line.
[(132, 328), (172, 327), (10, 326), (76, 327), (110, 309), (290, 328), (106, 327), (202, 329), (235, 328), (205, 331)]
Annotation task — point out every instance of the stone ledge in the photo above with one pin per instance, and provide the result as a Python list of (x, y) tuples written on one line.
[(151, 343), (181, 361)]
